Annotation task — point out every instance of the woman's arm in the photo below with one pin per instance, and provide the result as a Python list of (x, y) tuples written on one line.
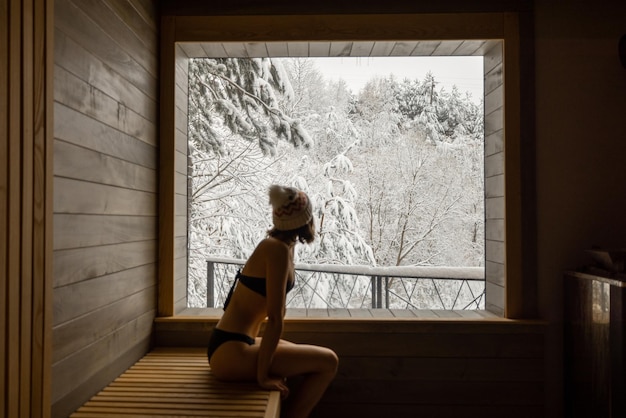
[(277, 269)]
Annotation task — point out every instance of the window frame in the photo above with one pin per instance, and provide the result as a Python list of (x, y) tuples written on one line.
[(510, 284)]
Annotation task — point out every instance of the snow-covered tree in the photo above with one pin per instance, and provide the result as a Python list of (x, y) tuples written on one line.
[(379, 118), (407, 199), (243, 96), (395, 173), (229, 211), (322, 107), (411, 98), (309, 95), (474, 122)]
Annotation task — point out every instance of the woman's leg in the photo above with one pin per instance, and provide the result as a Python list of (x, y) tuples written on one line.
[(317, 367)]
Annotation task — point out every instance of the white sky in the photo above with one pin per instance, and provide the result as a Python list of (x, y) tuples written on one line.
[(464, 72)]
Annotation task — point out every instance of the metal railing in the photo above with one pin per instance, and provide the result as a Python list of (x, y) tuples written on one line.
[(365, 287)]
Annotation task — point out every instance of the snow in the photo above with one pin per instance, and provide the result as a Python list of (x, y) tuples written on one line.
[(431, 272), (395, 195)]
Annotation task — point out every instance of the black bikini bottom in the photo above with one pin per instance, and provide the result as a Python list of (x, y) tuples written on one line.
[(219, 337)]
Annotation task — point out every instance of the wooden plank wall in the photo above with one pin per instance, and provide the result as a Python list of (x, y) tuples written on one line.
[(26, 32), (511, 287), (181, 209), (173, 187), (414, 368), (105, 192), (495, 249)]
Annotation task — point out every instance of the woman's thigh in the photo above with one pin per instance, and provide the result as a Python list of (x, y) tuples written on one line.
[(235, 360), (297, 359)]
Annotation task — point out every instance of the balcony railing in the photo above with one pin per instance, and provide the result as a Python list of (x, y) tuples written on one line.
[(364, 287)]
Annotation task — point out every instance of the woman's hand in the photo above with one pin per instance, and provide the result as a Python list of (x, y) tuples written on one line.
[(275, 384)]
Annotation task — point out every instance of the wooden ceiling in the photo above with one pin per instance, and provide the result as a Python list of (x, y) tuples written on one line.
[(471, 47)]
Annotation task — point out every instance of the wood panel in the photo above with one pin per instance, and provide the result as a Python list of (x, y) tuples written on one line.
[(79, 332), (82, 129), (78, 264), (105, 213), (167, 151), (461, 367), (369, 410), (94, 230), (466, 393), (245, 7), (67, 374), (181, 208), (74, 20), (101, 363), (76, 162), (442, 369), (14, 198), (178, 382), (25, 207), (76, 59), (380, 27), (517, 301), (527, 302), (77, 196), (89, 295), (136, 43), (90, 102), (495, 175), (4, 194), (140, 17), (335, 49)]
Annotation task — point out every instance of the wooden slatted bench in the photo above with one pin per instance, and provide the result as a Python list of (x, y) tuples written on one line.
[(178, 382)]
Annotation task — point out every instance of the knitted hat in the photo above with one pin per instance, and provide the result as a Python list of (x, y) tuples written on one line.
[(291, 208)]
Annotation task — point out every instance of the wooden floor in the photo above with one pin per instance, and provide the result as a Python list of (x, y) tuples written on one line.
[(177, 382)]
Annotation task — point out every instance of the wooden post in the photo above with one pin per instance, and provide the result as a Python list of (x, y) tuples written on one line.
[(210, 281), (377, 292), (26, 102), (386, 292), (167, 172)]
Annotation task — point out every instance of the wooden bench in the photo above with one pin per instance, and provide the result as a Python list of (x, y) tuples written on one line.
[(178, 382)]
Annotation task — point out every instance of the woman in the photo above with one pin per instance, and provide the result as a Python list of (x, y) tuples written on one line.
[(259, 292)]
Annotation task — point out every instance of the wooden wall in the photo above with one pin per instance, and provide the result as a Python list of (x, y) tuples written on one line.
[(25, 207), (105, 192), (173, 181), (414, 368), (181, 206), (181, 209), (495, 250)]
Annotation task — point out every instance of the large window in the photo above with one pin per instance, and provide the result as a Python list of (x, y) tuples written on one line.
[(390, 149), (504, 287)]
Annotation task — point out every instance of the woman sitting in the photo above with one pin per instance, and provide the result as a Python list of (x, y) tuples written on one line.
[(259, 292)]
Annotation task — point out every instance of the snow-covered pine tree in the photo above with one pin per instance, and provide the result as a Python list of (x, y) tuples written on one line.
[(242, 96), (237, 116), (411, 98)]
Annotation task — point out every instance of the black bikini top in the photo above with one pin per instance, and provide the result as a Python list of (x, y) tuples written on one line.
[(256, 284)]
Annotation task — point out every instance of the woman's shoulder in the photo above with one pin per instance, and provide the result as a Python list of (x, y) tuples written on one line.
[(270, 250), (273, 245)]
